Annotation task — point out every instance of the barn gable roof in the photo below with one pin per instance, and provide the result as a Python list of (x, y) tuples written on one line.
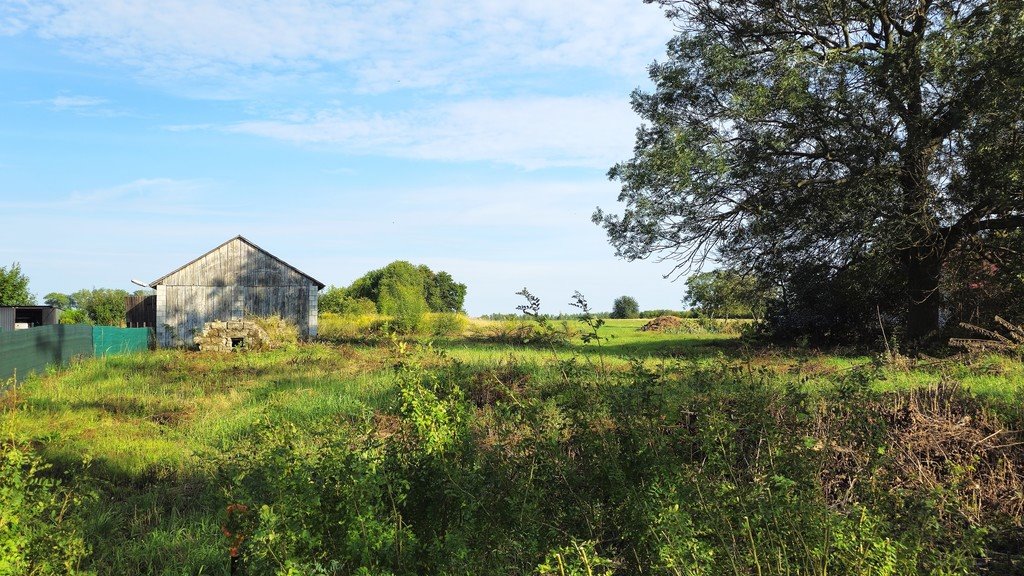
[(320, 285)]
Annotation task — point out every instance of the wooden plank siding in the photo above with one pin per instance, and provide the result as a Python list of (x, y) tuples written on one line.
[(140, 311), (234, 280)]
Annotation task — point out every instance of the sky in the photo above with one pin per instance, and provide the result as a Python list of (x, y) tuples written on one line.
[(470, 136)]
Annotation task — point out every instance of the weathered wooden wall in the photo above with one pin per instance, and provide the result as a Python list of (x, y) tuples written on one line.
[(140, 311), (234, 281)]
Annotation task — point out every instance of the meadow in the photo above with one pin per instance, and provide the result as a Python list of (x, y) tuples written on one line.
[(634, 453)]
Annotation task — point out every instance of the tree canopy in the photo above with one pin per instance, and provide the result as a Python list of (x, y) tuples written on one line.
[(725, 293), (625, 307), (58, 300), (14, 287), (103, 306), (439, 291), (830, 146)]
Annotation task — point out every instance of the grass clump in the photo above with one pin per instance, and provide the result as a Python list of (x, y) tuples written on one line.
[(280, 333), (351, 327)]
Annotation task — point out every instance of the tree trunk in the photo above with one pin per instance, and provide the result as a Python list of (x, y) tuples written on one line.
[(923, 267)]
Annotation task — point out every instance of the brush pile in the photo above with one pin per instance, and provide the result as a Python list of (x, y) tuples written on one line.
[(663, 324)]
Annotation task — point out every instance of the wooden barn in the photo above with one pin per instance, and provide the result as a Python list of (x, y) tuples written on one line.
[(232, 281)]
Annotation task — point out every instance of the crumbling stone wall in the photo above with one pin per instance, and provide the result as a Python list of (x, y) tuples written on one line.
[(224, 336)]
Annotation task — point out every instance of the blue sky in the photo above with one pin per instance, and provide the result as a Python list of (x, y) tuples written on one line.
[(471, 136)]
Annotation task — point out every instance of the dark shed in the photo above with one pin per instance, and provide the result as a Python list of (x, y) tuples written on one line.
[(234, 280), (12, 317)]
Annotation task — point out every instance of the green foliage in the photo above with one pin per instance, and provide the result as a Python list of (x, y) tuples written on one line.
[(330, 301), (402, 460), (725, 293), (75, 316), (577, 559), (444, 294), (14, 287), (41, 526), (439, 291), (522, 333), (778, 141), (625, 307), (979, 282), (58, 300), (446, 324), (105, 306), (403, 301), (317, 503)]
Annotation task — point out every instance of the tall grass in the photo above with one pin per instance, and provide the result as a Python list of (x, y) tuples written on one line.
[(677, 454)]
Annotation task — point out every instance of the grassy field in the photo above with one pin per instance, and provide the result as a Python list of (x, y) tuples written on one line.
[(151, 450)]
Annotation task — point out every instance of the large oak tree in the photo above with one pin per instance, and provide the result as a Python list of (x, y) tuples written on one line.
[(830, 133)]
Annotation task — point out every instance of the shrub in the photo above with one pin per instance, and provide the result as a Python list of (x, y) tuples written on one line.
[(75, 316), (625, 307), (446, 324), (40, 519), (405, 304), (338, 301), (357, 306)]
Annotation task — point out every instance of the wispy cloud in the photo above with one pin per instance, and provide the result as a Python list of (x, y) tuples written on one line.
[(76, 102), (532, 133), (81, 105), (160, 196), (379, 46)]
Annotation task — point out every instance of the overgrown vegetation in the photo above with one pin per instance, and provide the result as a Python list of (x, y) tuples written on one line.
[(578, 458)]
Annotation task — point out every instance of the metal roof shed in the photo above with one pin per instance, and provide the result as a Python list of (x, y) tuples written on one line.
[(12, 317)]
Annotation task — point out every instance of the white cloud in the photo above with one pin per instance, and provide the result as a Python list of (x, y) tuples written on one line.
[(532, 133), (382, 45), (76, 102)]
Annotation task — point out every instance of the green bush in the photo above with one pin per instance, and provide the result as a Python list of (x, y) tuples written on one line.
[(75, 316), (337, 301), (405, 305), (446, 324), (40, 519)]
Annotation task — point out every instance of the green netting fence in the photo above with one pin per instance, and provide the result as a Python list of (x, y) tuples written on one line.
[(25, 351), (108, 340)]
